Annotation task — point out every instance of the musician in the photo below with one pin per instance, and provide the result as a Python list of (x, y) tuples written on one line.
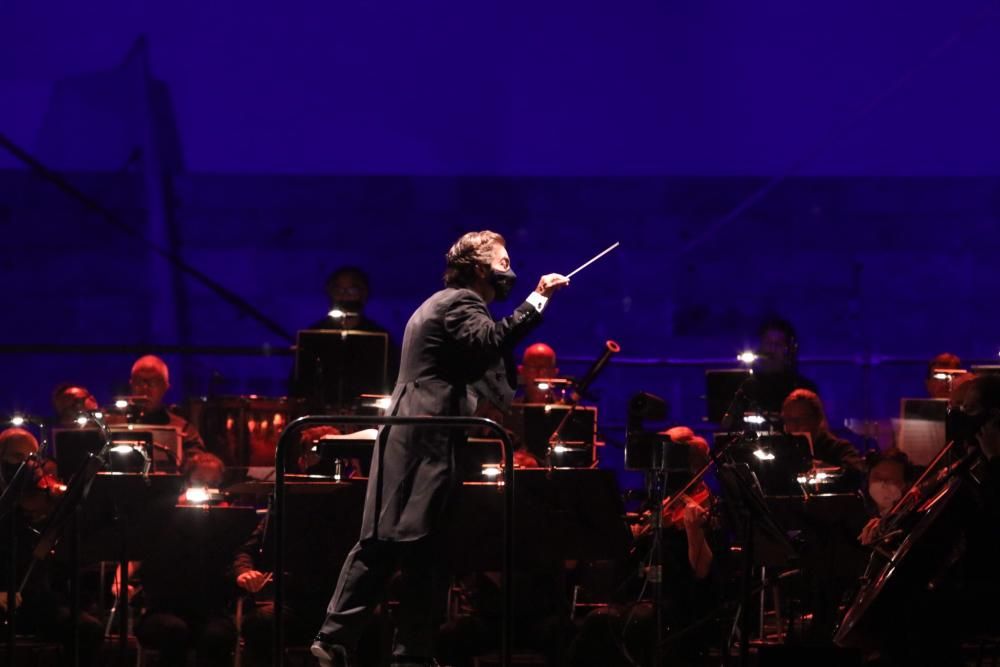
[(43, 608), (691, 582), (150, 381), (889, 476), (802, 413), (69, 400), (453, 354), (953, 595), (776, 371), (348, 289), (936, 387), (539, 361), (186, 601)]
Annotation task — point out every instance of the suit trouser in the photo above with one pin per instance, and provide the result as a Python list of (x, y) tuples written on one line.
[(362, 584)]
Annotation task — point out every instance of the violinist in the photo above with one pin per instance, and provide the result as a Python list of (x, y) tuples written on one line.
[(688, 511), (43, 488), (691, 576), (43, 608)]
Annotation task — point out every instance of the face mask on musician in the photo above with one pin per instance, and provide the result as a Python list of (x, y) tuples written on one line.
[(502, 282), (885, 495)]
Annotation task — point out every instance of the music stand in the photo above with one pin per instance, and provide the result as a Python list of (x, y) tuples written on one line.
[(776, 460), (71, 447), (156, 439), (537, 423), (764, 541), (121, 517), (333, 367), (190, 557), (326, 520), (721, 385), (564, 514)]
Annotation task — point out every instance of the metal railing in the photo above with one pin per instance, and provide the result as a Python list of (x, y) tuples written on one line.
[(449, 423)]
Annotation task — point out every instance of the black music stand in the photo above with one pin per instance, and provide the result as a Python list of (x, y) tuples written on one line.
[(190, 558), (544, 425), (72, 447), (563, 514), (777, 460), (333, 367), (325, 518), (721, 386), (764, 541), (121, 520)]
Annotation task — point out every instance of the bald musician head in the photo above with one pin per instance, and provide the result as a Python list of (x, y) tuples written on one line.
[(151, 380), (16, 445), (539, 361), (938, 387), (69, 400)]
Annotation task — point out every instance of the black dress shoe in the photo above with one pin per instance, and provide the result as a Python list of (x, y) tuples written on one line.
[(330, 655)]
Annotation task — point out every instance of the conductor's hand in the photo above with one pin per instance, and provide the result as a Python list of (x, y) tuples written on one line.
[(551, 283), (252, 580)]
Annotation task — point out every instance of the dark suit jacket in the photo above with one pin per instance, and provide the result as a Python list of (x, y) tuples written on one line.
[(452, 357)]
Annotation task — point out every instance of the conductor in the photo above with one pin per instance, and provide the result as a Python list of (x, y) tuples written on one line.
[(452, 358)]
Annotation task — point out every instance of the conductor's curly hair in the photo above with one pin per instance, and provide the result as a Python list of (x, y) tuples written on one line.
[(471, 250)]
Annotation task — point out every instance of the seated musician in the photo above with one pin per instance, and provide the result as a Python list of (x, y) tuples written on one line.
[(69, 400), (348, 290), (889, 476), (691, 581), (539, 361), (150, 381), (941, 387), (776, 371), (802, 413), (951, 596), (251, 571), (43, 608), (185, 610)]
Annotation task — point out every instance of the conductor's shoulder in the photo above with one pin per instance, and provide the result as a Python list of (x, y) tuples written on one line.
[(459, 297)]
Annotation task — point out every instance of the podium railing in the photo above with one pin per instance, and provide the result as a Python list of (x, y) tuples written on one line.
[(449, 423)]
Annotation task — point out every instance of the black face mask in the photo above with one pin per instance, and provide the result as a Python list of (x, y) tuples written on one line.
[(502, 282)]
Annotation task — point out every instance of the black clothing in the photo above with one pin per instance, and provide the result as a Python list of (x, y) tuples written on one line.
[(452, 358), (45, 609), (828, 448), (767, 391)]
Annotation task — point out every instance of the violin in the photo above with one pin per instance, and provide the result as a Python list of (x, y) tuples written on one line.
[(674, 508), (41, 488), (42, 491)]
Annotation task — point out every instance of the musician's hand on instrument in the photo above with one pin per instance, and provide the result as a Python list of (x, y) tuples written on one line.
[(868, 533), (252, 580), (551, 283), (695, 517)]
